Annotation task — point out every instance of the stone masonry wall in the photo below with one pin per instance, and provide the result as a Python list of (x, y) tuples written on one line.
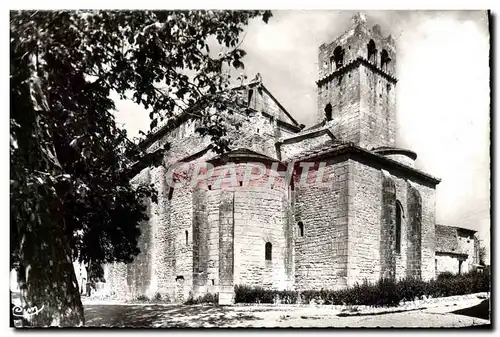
[(206, 241), (455, 244), (201, 241), (226, 243), (164, 265), (414, 233), (344, 241), (428, 228), (377, 110), (231, 228), (388, 228), (257, 134), (369, 213), (261, 101), (211, 237), (466, 243), (179, 272), (139, 271), (462, 259), (354, 43), (343, 93), (365, 215), (161, 241), (321, 254), (126, 281), (260, 216), (363, 101), (401, 197), (448, 263)]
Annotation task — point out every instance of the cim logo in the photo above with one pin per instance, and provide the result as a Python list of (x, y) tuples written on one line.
[(18, 311)]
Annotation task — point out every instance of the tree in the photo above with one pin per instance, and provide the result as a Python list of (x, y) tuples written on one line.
[(70, 191), (482, 255)]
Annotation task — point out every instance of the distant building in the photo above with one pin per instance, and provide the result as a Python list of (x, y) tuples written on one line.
[(457, 250), (81, 275), (14, 285)]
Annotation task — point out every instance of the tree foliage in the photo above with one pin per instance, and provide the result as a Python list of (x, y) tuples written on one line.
[(69, 160), (482, 255)]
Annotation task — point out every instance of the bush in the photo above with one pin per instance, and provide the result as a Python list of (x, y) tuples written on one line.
[(206, 298), (385, 292), (142, 298), (445, 276), (411, 289), (287, 296), (246, 294), (157, 297)]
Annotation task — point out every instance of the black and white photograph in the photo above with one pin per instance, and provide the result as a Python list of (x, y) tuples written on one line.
[(250, 168)]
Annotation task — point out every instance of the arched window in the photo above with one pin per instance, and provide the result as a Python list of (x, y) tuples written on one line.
[(399, 220), (328, 112), (338, 58), (384, 60), (269, 251), (372, 52), (187, 237), (300, 228), (339, 81)]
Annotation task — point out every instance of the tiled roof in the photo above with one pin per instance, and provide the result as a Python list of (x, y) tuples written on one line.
[(315, 126), (242, 153), (176, 120), (335, 147), (446, 239), (307, 134), (319, 150)]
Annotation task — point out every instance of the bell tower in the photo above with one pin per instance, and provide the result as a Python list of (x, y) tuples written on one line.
[(356, 85)]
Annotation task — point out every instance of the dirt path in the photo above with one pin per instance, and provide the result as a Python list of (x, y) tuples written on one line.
[(215, 316)]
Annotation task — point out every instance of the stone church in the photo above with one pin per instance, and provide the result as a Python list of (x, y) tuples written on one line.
[(374, 218)]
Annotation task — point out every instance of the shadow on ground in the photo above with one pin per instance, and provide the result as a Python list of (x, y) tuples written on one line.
[(482, 310), (138, 316)]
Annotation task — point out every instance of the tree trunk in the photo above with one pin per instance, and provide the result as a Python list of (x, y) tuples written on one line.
[(47, 277), (49, 289)]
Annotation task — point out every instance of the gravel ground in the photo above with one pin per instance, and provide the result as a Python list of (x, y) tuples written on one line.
[(457, 312), (113, 315)]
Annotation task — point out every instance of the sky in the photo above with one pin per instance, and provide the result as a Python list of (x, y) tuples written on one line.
[(442, 92)]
